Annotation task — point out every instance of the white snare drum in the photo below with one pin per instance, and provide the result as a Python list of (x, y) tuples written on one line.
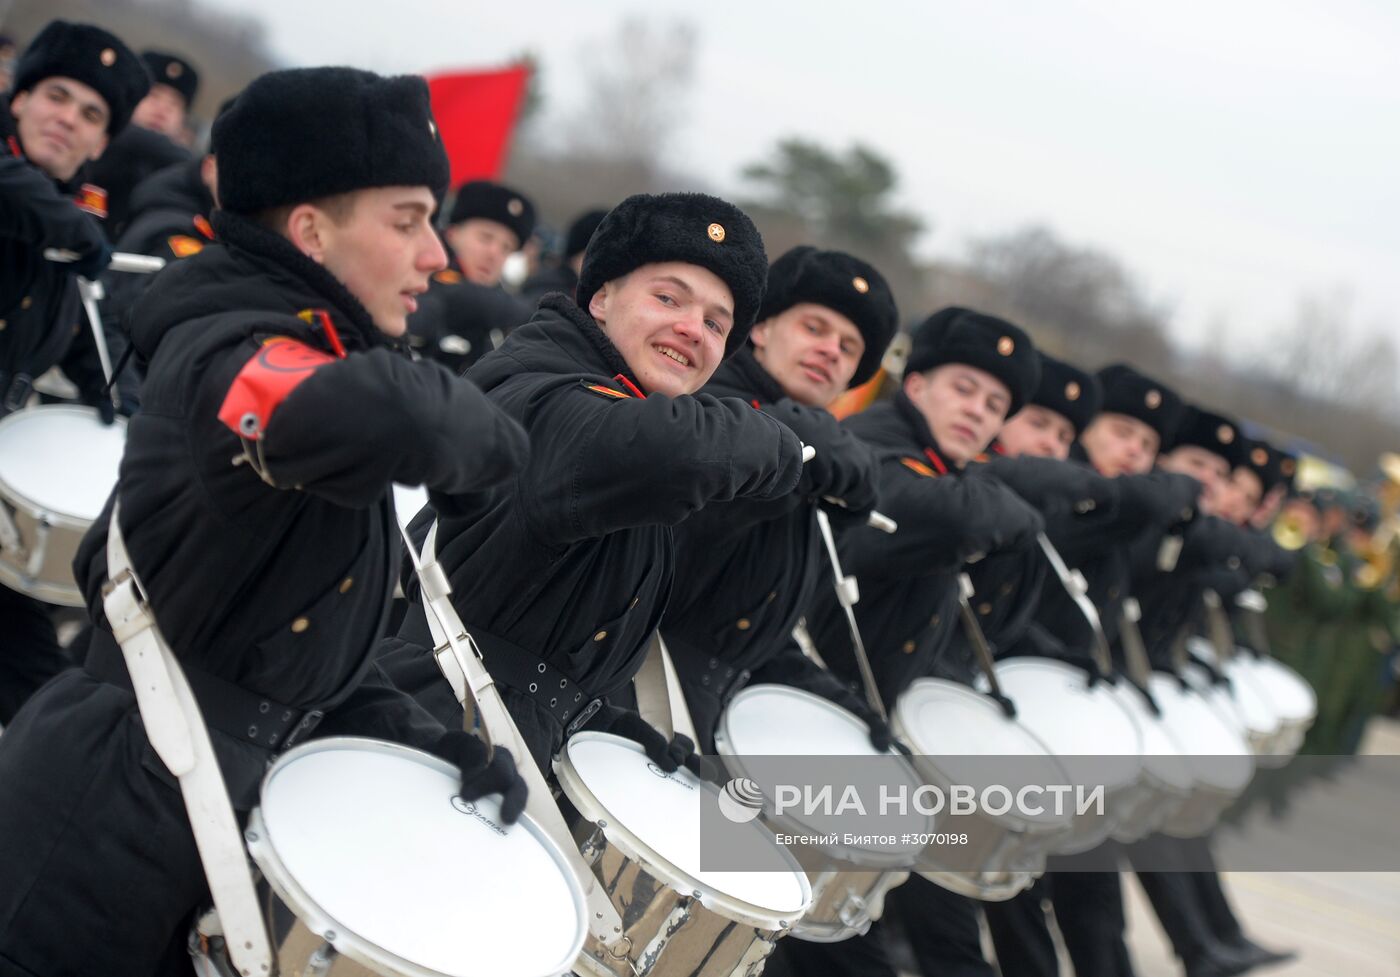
[(1220, 758), (1242, 703), (1088, 729), (765, 721), (641, 833), (385, 868), (1166, 773), (949, 726), (1293, 700), (58, 465)]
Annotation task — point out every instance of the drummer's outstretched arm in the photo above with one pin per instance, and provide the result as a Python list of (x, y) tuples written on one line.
[(357, 423), (942, 521), (32, 210), (607, 464)]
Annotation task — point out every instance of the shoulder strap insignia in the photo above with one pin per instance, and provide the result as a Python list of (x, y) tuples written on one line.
[(917, 466), (182, 245), (448, 276), (605, 391)]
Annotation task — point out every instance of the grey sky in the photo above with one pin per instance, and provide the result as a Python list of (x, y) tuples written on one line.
[(1233, 153)]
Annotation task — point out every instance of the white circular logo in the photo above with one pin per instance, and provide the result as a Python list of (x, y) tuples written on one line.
[(741, 800)]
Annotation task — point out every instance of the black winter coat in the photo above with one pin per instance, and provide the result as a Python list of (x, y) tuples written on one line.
[(39, 308), (133, 156), (458, 321), (571, 563), (746, 570), (908, 581), (283, 589)]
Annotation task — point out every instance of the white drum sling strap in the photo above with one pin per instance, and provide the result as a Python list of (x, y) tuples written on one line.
[(177, 732), (460, 661), (660, 700)]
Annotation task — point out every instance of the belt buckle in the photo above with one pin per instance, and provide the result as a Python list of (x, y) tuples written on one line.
[(577, 722), (309, 721)]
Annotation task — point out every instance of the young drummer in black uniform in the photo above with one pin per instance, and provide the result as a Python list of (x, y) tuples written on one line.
[(561, 575), (966, 374), (255, 501), (466, 312), (75, 87), (745, 571)]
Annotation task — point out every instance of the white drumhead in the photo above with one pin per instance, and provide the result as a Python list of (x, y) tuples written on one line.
[(1255, 709), (408, 500), (1202, 732), (372, 836), (1055, 702), (653, 815), (778, 720), (61, 458), (1287, 691), (1161, 753), (943, 718)]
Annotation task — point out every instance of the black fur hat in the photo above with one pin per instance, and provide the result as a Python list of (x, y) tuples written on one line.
[(693, 228), (305, 133), (1069, 391), (92, 56), (496, 202), (1214, 432), (581, 230), (958, 335), (1126, 391), (172, 70), (842, 283)]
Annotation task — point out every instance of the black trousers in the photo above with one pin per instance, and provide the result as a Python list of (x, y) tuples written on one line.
[(1192, 907), (29, 651), (100, 873), (1088, 909)]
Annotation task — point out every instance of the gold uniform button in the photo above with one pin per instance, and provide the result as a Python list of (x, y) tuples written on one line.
[(933, 621), (1072, 391), (600, 636), (909, 647), (26, 302), (174, 70), (346, 584), (1225, 433), (1259, 456), (860, 285), (984, 608), (1006, 345), (716, 232), (3, 324), (743, 624), (108, 57), (1153, 399), (516, 207), (300, 625)]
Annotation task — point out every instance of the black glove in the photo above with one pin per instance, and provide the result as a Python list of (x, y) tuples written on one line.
[(881, 737), (101, 401), (844, 466), (1160, 498), (1004, 521), (92, 264), (484, 772), (668, 756), (1052, 486)]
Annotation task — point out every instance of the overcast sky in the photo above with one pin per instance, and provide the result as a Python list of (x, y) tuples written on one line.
[(1234, 154)]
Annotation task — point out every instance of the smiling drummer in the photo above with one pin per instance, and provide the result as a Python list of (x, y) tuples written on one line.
[(745, 571), (562, 575), (256, 505)]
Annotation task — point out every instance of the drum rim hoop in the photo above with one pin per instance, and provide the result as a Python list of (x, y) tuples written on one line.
[(14, 497), (657, 865)]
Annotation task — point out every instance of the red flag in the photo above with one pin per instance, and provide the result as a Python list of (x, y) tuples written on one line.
[(476, 111)]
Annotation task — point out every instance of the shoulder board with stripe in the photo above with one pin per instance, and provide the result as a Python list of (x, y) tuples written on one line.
[(603, 390), (182, 245), (448, 277), (915, 465)]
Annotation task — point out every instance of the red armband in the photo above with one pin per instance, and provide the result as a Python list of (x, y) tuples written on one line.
[(275, 370)]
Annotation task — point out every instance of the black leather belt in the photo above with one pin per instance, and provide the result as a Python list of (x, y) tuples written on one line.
[(557, 695), (708, 672), (229, 708)]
